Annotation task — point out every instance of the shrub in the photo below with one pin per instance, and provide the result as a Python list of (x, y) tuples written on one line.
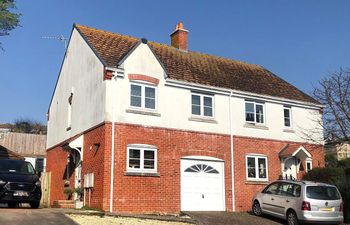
[(68, 192), (331, 160), (345, 163), (339, 177)]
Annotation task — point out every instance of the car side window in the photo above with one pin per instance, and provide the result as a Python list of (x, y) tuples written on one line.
[(272, 189), (291, 190)]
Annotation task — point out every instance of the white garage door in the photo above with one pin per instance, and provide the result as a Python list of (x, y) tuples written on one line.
[(202, 185)]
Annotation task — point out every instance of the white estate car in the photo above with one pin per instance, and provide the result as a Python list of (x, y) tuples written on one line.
[(300, 201)]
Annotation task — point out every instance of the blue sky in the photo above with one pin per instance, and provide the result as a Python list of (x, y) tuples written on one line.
[(301, 41)]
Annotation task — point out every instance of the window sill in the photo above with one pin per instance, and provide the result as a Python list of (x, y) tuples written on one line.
[(68, 128), (142, 174), (142, 112), (257, 182), (288, 130), (256, 126), (202, 119)]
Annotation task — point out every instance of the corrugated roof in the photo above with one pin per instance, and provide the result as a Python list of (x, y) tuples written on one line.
[(195, 67)]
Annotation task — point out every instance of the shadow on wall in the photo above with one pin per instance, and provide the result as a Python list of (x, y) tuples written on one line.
[(70, 167)]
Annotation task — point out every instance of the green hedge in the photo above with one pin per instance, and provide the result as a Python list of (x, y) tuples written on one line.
[(336, 176)]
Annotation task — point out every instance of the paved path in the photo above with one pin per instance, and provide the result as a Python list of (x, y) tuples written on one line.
[(29, 216), (225, 218)]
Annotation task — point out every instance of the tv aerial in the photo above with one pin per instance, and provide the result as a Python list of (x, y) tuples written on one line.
[(59, 38)]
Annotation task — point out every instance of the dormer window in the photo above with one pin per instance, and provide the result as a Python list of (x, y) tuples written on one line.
[(143, 96), (254, 112)]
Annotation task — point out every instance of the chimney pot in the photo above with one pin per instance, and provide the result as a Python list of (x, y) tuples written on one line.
[(179, 38)]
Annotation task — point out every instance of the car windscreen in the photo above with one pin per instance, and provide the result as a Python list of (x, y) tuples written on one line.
[(16, 166), (322, 193)]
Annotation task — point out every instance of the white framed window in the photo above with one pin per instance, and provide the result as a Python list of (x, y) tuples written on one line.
[(308, 165), (141, 159), (256, 168), (254, 112), (143, 96), (287, 114), (202, 105), (69, 111)]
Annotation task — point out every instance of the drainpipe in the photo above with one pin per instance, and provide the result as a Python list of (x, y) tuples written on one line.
[(232, 158), (114, 80)]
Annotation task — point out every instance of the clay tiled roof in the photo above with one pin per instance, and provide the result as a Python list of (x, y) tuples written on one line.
[(195, 67), (289, 149)]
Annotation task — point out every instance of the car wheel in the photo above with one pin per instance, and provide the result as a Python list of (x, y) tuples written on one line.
[(12, 205), (292, 218), (34, 205), (256, 209)]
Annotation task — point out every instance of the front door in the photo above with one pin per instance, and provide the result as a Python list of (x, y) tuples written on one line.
[(290, 168)]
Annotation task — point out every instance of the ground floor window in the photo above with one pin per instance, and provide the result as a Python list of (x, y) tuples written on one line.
[(308, 165), (256, 168), (141, 158)]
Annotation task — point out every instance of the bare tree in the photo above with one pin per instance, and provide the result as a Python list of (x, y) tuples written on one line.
[(334, 93)]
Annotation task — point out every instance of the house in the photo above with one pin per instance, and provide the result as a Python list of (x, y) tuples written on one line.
[(8, 154), (30, 147), (146, 127), (341, 149)]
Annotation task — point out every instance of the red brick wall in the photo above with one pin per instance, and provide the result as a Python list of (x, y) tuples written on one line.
[(162, 194), (94, 162), (244, 190), (140, 194), (56, 164)]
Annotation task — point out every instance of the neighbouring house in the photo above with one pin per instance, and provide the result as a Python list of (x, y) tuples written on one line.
[(30, 147), (146, 127), (340, 149), (8, 154)]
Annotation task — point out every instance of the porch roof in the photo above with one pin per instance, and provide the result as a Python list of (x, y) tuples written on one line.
[(296, 150)]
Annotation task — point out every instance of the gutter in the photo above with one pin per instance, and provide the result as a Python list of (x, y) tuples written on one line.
[(232, 158)]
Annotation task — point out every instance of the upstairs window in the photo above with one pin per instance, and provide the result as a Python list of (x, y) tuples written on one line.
[(254, 112), (69, 111), (202, 105), (287, 116), (143, 96)]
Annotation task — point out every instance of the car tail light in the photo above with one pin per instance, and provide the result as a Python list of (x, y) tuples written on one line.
[(341, 208), (306, 206)]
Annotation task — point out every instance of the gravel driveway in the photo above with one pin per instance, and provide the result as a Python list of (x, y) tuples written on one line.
[(224, 218), (110, 220)]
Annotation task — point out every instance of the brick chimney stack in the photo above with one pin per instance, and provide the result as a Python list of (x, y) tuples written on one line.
[(179, 37)]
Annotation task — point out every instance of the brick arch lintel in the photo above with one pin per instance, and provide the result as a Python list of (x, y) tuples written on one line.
[(143, 77)]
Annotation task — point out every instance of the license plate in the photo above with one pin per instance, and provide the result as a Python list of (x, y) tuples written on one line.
[(326, 209), (20, 194)]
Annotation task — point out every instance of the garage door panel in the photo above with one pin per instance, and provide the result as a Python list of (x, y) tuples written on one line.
[(202, 185)]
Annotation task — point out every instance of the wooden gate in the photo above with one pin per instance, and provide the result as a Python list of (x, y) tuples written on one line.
[(45, 188)]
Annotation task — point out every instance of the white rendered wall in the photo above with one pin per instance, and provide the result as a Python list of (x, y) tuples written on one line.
[(82, 72), (174, 107)]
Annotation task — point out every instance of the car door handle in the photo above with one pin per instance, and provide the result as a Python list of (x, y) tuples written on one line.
[(272, 199), (287, 200)]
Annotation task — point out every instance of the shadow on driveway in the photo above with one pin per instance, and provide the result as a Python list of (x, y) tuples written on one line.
[(27, 216), (224, 218)]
